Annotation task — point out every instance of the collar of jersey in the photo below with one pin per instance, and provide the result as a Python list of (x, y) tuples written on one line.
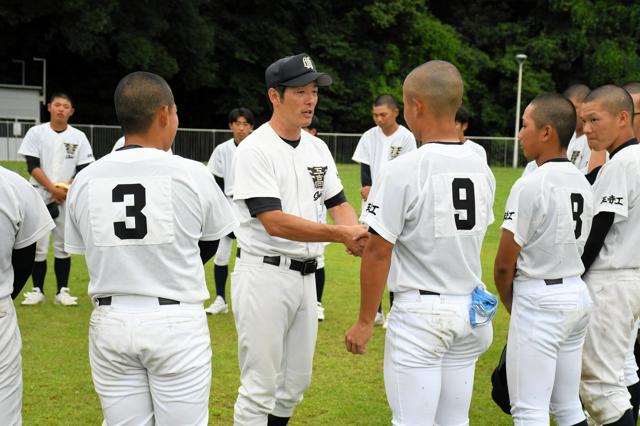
[(124, 147), (445, 143), (632, 141), (556, 160)]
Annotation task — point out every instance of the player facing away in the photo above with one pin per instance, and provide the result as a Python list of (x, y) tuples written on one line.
[(241, 124), (284, 177), (24, 219), (428, 213), (610, 255), (146, 221), (379, 145), (55, 152), (462, 123), (537, 270)]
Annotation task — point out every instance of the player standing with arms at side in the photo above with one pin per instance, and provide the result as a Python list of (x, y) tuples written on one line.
[(610, 255), (378, 145), (241, 124), (146, 221), (284, 177), (537, 270), (428, 214), (55, 152), (24, 219)]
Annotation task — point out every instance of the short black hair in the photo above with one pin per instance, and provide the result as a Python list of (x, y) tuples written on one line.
[(462, 116), (138, 98), (386, 99), (59, 94), (577, 92), (236, 113), (614, 99), (556, 111)]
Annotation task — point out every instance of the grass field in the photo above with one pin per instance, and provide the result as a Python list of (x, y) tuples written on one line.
[(345, 390)]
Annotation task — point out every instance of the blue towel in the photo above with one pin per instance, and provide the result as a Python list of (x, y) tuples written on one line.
[(483, 307)]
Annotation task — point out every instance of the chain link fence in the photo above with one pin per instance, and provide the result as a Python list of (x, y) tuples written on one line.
[(198, 144)]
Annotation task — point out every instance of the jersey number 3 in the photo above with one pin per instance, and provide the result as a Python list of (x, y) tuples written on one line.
[(577, 207), (138, 192), (460, 186)]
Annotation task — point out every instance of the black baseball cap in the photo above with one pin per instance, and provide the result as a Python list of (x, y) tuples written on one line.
[(295, 71)]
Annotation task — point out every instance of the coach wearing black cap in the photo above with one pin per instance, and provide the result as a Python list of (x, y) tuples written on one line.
[(283, 180)]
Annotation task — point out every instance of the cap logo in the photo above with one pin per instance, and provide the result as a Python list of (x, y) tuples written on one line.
[(307, 63)]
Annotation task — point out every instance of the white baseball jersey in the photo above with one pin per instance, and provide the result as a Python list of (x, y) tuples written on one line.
[(24, 219), (138, 215), (59, 153), (302, 178), (549, 212), (479, 149), (120, 143), (617, 190), (375, 148), (220, 164), (579, 153), (434, 205), (529, 168)]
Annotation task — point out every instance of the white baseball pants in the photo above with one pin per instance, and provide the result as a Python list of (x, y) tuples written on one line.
[(616, 299), (544, 351), (10, 365), (151, 364), (42, 245), (223, 254), (429, 359), (630, 366), (277, 324)]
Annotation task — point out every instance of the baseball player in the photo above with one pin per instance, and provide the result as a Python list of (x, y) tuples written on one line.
[(377, 146), (610, 256), (428, 213), (146, 222), (241, 124), (55, 152), (537, 270), (24, 219), (283, 179), (462, 123)]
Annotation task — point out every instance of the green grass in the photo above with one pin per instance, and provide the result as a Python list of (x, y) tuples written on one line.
[(345, 390)]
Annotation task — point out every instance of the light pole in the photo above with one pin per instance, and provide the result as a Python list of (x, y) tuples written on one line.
[(44, 79), (21, 62), (520, 57)]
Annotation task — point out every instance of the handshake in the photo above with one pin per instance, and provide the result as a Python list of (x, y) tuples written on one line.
[(355, 238)]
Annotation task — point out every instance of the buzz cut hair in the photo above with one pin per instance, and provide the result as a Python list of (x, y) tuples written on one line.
[(577, 92), (138, 98), (462, 116), (556, 111), (614, 99), (61, 94), (386, 99), (236, 113)]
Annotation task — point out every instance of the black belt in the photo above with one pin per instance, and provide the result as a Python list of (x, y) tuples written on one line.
[(427, 293), (106, 301), (553, 281), (305, 267)]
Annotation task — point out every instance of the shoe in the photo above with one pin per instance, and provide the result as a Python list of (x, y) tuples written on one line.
[(65, 298), (218, 306), (379, 318), (33, 297), (320, 311)]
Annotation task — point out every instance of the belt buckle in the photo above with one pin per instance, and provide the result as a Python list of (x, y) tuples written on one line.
[(309, 267)]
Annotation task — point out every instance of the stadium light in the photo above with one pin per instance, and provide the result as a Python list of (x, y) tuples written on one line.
[(520, 57), (43, 99)]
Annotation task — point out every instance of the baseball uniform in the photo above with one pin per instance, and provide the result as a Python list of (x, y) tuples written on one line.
[(24, 219), (434, 205), (613, 280), (273, 284), (579, 153), (60, 154), (479, 149), (120, 143), (137, 215), (549, 212)]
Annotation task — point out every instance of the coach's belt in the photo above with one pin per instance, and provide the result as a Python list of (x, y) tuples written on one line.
[(106, 301), (305, 267), (553, 281)]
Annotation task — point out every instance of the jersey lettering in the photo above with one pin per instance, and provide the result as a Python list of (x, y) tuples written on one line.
[(464, 199), (134, 211), (577, 207)]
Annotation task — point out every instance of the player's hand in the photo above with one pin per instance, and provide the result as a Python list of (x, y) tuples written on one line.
[(356, 338), (58, 195), (356, 238), (364, 192)]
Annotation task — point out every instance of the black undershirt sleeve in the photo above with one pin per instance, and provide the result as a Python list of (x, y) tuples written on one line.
[(32, 163), (592, 175), (373, 231), (22, 263), (336, 200), (599, 228), (259, 205), (220, 182), (80, 167), (365, 175), (207, 250)]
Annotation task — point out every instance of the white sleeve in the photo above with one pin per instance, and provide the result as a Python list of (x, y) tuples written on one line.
[(217, 219), (611, 191), (521, 213), (36, 220), (362, 154), (216, 162), (85, 154), (253, 175), (30, 145), (73, 241), (409, 143)]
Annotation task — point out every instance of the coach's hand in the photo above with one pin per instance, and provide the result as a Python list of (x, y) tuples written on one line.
[(356, 338), (355, 239)]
